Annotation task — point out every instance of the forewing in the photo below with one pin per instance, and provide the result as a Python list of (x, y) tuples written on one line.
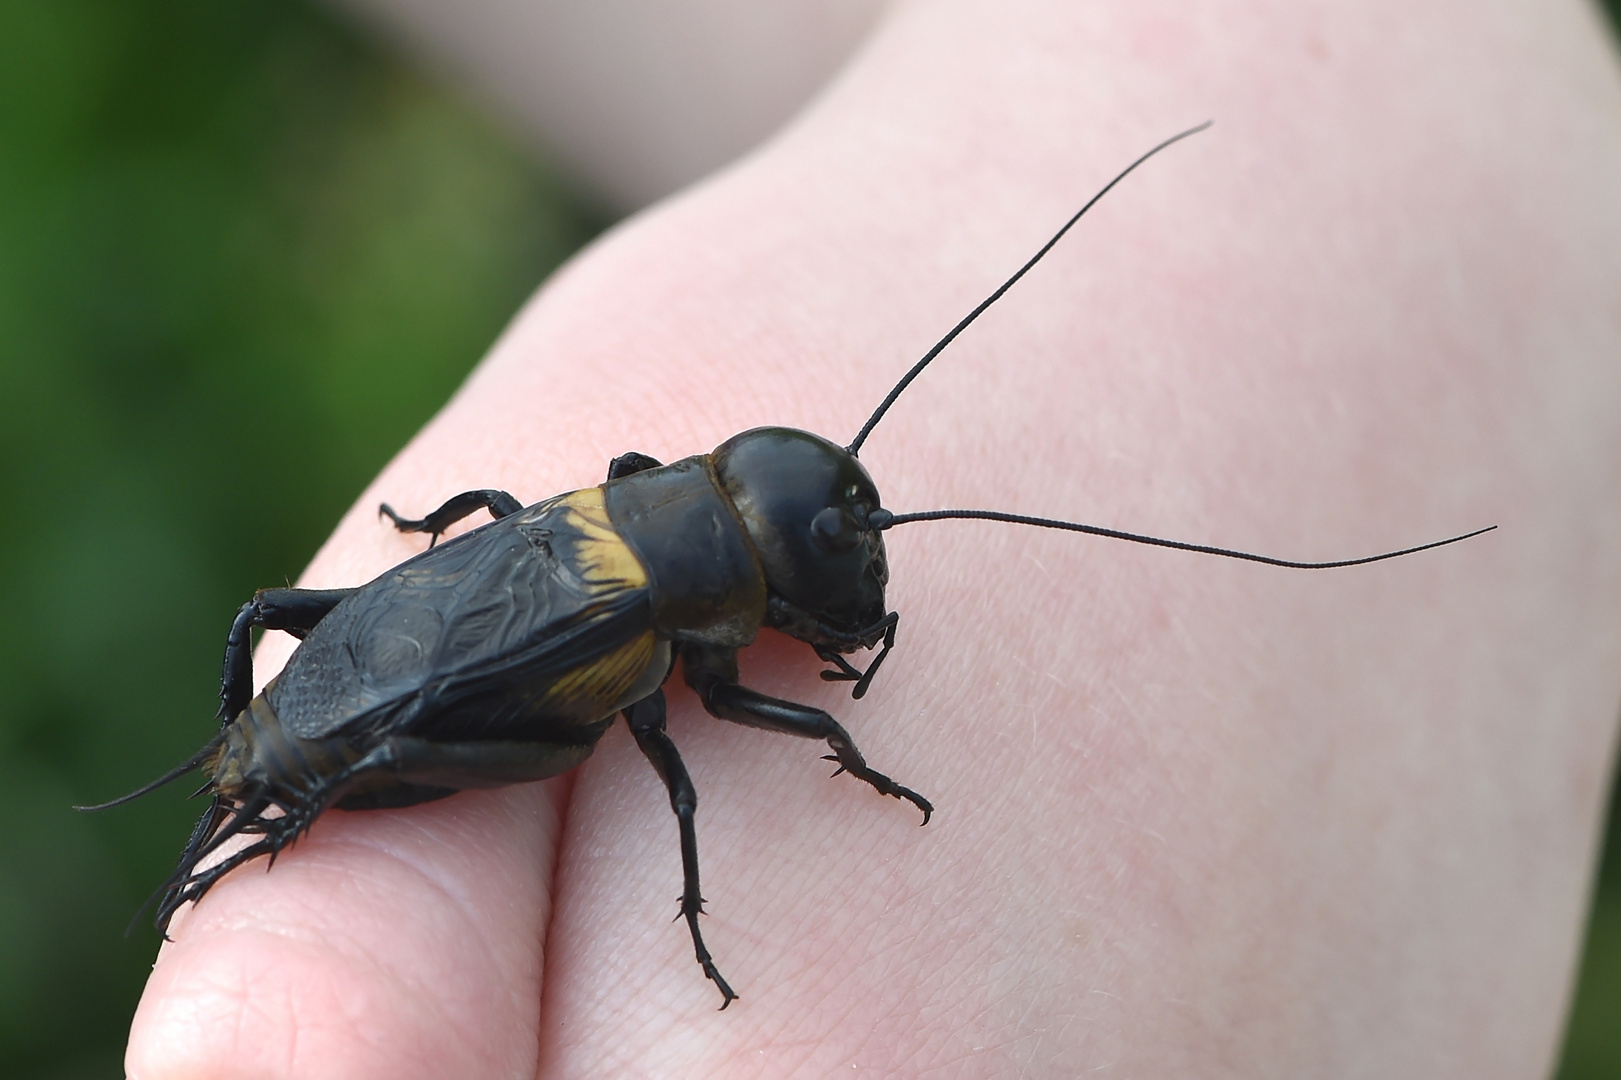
[(497, 618)]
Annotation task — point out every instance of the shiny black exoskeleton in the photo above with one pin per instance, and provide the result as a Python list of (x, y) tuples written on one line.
[(502, 655)]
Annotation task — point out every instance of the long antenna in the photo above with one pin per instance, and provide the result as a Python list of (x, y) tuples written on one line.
[(883, 520), (917, 368)]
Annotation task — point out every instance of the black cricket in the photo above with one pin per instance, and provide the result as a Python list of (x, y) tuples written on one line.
[(501, 656)]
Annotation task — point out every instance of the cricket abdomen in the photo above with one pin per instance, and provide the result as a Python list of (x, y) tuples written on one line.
[(258, 756)]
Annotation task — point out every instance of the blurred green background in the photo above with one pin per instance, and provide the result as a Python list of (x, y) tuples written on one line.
[(244, 255)]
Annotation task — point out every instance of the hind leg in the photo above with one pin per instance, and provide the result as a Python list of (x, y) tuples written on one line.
[(218, 824), (435, 769), (646, 720), (296, 611)]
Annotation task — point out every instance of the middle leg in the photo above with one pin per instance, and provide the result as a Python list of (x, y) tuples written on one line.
[(498, 503)]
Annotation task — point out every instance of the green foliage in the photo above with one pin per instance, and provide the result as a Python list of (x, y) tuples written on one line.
[(243, 257), (1593, 1043)]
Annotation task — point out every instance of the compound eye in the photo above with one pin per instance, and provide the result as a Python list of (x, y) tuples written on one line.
[(835, 529)]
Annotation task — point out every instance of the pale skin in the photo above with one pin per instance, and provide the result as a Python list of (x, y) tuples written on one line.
[(1194, 817)]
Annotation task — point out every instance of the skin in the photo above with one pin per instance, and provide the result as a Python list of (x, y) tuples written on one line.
[(1195, 817)]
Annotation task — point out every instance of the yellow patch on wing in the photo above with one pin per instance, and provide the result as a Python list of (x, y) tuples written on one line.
[(597, 687), (601, 556)]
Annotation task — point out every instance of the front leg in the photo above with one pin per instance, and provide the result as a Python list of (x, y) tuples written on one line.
[(830, 642), (646, 720), (844, 671), (713, 674)]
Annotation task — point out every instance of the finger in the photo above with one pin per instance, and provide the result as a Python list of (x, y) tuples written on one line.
[(1201, 806), (401, 943), (404, 943)]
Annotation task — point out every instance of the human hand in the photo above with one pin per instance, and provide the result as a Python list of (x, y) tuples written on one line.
[(1193, 817)]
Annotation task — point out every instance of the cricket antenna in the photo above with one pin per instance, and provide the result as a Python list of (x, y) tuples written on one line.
[(917, 369), (883, 519)]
